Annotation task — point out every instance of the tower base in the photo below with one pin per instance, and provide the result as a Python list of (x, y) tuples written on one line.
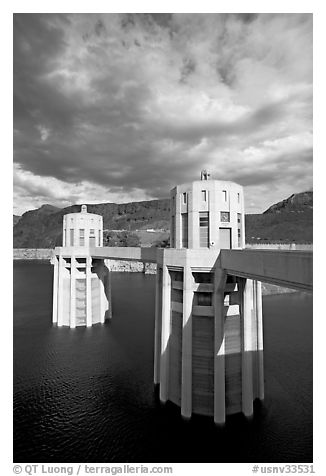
[(81, 288), (208, 335)]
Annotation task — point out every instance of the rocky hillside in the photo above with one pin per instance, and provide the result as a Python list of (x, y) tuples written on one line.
[(287, 221), (42, 228), (296, 203)]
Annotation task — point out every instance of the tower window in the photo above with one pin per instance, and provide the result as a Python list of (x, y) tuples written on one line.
[(71, 237), (224, 195), (184, 198), (204, 195), (239, 237), (92, 238), (184, 228), (203, 229), (238, 197), (173, 231), (81, 237)]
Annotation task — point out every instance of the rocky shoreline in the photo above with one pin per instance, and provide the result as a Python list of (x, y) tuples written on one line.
[(114, 265)]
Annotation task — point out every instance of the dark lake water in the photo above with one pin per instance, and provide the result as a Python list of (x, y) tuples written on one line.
[(86, 395)]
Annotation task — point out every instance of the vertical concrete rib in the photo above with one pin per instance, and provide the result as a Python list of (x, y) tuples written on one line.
[(73, 292), (109, 291), (102, 297), (219, 346), (89, 317), (186, 359), (55, 291), (166, 331), (60, 290), (246, 289), (260, 341), (158, 325)]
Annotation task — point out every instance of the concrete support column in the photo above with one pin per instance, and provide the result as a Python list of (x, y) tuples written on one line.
[(219, 346), (55, 291), (108, 291), (103, 306), (61, 270), (186, 360), (246, 310), (73, 292), (158, 325), (166, 331), (89, 317), (260, 341)]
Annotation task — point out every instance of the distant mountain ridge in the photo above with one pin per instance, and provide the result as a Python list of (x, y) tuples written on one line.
[(42, 228), (295, 203), (287, 221)]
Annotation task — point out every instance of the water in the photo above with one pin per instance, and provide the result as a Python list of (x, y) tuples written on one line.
[(86, 395)]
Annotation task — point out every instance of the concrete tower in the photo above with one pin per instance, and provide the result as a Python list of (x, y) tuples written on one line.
[(81, 283), (208, 325)]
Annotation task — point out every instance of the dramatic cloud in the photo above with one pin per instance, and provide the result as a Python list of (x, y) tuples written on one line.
[(121, 107)]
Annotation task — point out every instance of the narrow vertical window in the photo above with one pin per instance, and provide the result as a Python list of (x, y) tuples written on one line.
[(81, 237), (184, 228), (204, 229), (92, 243), (99, 237), (224, 195), (71, 237), (184, 198), (239, 229), (238, 197), (204, 195), (172, 244)]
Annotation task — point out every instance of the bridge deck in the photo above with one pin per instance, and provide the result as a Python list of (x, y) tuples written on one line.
[(291, 269), (147, 255)]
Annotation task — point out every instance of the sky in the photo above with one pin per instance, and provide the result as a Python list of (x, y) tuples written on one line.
[(123, 107)]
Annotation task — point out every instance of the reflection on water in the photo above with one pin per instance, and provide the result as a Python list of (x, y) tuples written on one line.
[(86, 395)]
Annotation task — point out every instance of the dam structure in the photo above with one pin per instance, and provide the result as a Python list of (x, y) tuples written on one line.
[(208, 339), (81, 284)]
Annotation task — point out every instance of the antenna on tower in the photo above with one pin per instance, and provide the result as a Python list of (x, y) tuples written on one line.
[(204, 175)]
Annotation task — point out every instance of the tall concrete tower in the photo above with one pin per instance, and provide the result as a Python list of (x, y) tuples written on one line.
[(81, 283), (208, 325)]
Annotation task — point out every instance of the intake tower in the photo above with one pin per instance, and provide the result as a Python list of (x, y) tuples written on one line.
[(208, 324)]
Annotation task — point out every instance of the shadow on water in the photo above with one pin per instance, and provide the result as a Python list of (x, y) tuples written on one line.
[(86, 395)]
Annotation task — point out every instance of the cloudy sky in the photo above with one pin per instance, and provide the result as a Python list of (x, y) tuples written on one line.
[(122, 107)]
